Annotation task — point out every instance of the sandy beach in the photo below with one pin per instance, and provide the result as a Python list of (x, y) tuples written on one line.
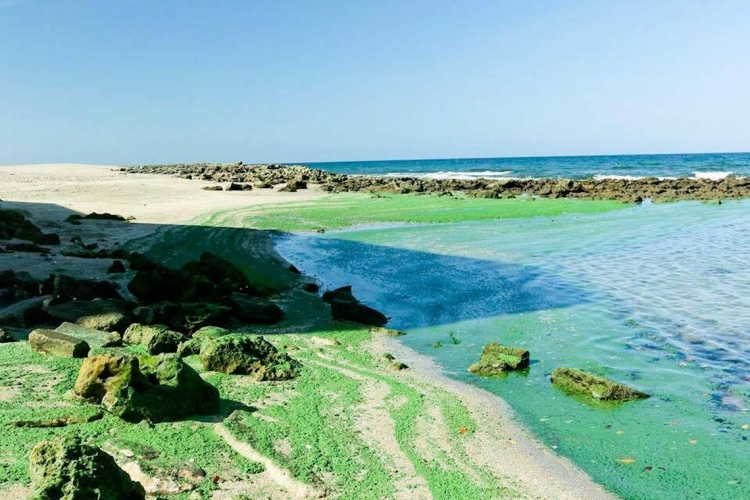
[(499, 447)]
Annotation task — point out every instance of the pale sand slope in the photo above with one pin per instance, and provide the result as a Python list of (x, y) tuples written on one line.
[(500, 445), (149, 198)]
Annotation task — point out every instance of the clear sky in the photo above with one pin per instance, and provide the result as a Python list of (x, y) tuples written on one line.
[(145, 81)]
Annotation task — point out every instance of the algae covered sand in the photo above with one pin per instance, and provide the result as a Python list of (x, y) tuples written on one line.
[(349, 209), (350, 425)]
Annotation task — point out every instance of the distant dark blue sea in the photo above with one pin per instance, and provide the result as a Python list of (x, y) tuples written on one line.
[(705, 165)]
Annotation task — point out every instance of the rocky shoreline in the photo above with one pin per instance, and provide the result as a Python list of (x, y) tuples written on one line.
[(297, 176)]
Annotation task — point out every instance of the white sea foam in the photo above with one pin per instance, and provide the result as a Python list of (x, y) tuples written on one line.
[(486, 174), (712, 176)]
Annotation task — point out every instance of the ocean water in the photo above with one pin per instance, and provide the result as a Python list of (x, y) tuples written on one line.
[(656, 296), (710, 165)]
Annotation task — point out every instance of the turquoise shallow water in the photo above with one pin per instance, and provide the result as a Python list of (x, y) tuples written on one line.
[(656, 296)]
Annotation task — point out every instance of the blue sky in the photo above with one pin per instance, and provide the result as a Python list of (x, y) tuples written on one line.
[(144, 81)]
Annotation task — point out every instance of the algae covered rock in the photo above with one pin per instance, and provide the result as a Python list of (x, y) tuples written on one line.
[(58, 344), (497, 358), (155, 388), (157, 339), (65, 468), (575, 381), (344, 306), (247, 355)]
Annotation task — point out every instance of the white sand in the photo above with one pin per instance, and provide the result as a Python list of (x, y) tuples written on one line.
[(500, 445)]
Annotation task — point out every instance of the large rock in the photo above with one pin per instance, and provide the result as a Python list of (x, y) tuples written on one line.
[(254, 310), (155, 388), (65, 288), (157, 339), (108, 315), (497, 358), (94, 338), (58, 344), (344, 306), (246, 355), (575, 381), (64, 468)]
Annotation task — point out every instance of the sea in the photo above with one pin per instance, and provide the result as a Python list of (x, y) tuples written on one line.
[(653, 295), (707, 165)]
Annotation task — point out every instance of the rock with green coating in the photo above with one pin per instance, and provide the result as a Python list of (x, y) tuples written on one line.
[(497, 358), (575, 381), (157, 339), (248, 355), (94, 338), (58, 344), (64, 468), (193, 346), (154, 388)]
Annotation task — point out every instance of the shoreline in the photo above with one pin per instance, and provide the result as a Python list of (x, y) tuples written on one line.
[(502, 449), (704, 188)]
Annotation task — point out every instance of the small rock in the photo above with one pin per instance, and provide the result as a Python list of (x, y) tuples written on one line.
[(58, 344), (497, 358), (344, 306), (246, 355), (157, 339), (5, 337), (67, 469), (575, 381)]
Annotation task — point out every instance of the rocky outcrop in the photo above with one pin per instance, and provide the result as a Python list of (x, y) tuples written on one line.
[(157, 339), (246, 355), (58, 344), (344, 306), (626, 190), (497, 358), (108, 315), (155, 388), (65, 468), (574, 381)]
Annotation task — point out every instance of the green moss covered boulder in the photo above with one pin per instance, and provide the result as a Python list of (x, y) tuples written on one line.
[(248, 355), (155, 388), (65, 468), (158, 339), (574, 381), (497, 358)]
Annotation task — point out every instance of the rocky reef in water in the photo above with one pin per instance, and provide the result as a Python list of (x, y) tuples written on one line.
[(297, 176)]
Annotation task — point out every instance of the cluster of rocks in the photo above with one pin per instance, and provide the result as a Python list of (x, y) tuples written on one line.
[(497, 359), (15, 226), (626, 190)]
